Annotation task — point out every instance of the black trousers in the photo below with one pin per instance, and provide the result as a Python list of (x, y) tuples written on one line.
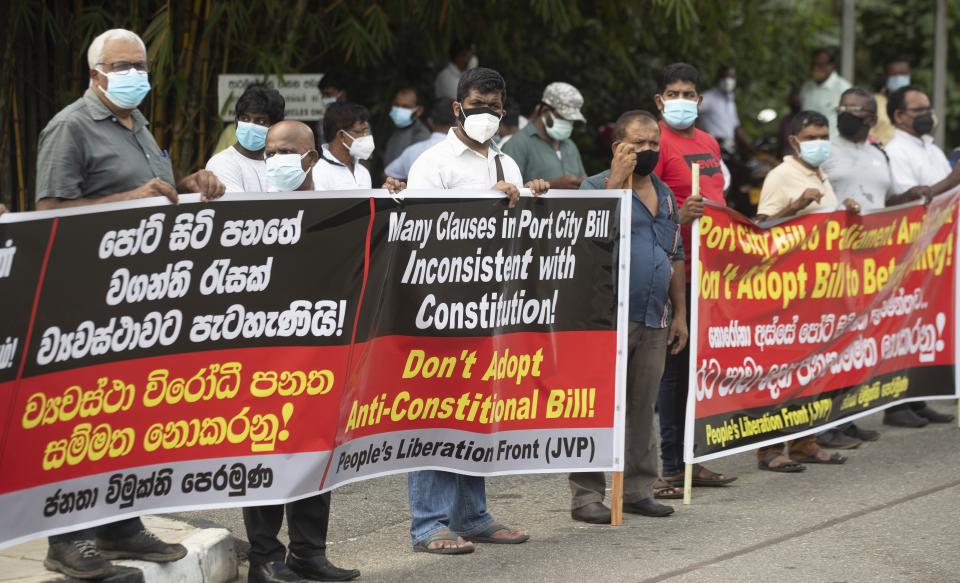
[(307, 521), (113, 531)]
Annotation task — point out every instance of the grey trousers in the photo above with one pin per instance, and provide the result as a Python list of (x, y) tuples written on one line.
[(646, 352)]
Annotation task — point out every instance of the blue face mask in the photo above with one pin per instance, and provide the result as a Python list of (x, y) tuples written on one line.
[(680, 113), (401, 117), (251, 136), (127, 90), (895, 82), (285, 171), (815, 152)]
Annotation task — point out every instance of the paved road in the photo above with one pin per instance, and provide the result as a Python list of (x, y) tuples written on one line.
[(892, 513)]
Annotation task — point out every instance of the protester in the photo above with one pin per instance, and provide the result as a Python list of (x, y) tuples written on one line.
[(332, 90), (289, 158), (682, 144), (450, 510), (657, 315), (349, 142), (916, 161), (860, 170), (241, 168), (543, 149), (510, 124), (718, 113), (822, 93), (439, 120), (447, 81), (897, 74), (96, 150), (405, 113)]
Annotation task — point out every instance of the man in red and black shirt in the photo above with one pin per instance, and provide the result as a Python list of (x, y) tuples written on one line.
[(681, 146)]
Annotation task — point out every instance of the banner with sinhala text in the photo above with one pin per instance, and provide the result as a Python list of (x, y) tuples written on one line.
[(817, 320), (263, 348)]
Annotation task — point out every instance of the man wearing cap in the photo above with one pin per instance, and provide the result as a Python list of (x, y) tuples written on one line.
[(543, 148)]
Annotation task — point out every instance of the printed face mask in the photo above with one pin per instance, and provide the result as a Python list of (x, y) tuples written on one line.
[(680, 113), (285, 171), (126, 90), (251, 136), (479, 123)]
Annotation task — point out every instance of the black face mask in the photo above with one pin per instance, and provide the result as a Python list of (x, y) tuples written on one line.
[(646, 162), (849, 124), (923, 124)]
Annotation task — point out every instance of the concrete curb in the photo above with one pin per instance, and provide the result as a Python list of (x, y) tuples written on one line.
[(211, 558)]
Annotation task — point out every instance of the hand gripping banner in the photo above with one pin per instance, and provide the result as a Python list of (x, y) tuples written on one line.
[(267, 347), (817, 320)]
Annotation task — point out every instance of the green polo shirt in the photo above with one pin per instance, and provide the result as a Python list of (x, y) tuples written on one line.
[(537, 158)]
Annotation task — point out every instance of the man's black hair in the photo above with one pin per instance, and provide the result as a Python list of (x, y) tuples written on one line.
[(679, 72), (807, 118), (628, 117), (722, 70), (861, 92), (895, 59), (898, 100), (330, 81), (259, 98), (440, 113), (342, 116), (416, 92), (481, 80), (457, 47), (831, 54)]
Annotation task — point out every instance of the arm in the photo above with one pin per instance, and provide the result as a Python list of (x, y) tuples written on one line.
[(948, 183), (155, 187), (677, 336), (624, 161), (204, 182), (795, 206)]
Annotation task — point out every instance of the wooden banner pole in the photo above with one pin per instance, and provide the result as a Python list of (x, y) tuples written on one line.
[(616, 500)]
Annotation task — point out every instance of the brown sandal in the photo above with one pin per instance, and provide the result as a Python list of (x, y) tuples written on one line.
[(664, 491), (702, 477)]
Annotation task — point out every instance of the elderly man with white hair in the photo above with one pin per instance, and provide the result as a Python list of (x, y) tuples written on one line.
[(98, 149)]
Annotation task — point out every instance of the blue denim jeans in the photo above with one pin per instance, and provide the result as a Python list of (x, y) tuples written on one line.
[(440, 500)]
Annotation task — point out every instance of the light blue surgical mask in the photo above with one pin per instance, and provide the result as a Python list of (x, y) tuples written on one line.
[(126, 90), (895, 82), (285, 171), (251, 136), (402, 117), (680, 113), (815, 152)]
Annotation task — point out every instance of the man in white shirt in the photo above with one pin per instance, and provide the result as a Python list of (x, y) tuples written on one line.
[(450, 510), (240, 167), (439, 119), (346, 127), (718, 112), (916, 161), (822, 93), (461, 59), (914, 158)]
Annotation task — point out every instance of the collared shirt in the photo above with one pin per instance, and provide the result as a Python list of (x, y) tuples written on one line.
[(445, 85), (718, 114), (915, 161), (859, 171), (400, 168), (330, 174), (452, 164), (85, 152), (785, 183), (403, 138), (237, 172), (537, 159), (654, 246), (824, 97)]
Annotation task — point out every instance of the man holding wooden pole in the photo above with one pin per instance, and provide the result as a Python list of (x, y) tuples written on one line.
[(657, 316)]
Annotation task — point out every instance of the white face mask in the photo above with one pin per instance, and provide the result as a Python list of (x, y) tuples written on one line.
[(480, 126), (360, 148), (561, 128), (285, 172), (728, 84)]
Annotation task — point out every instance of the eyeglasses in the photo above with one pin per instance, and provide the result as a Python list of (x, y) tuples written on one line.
[(918, 110), (124, 67), (854, 109)]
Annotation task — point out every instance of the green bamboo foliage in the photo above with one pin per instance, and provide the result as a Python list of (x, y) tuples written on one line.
[(611, 49)]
